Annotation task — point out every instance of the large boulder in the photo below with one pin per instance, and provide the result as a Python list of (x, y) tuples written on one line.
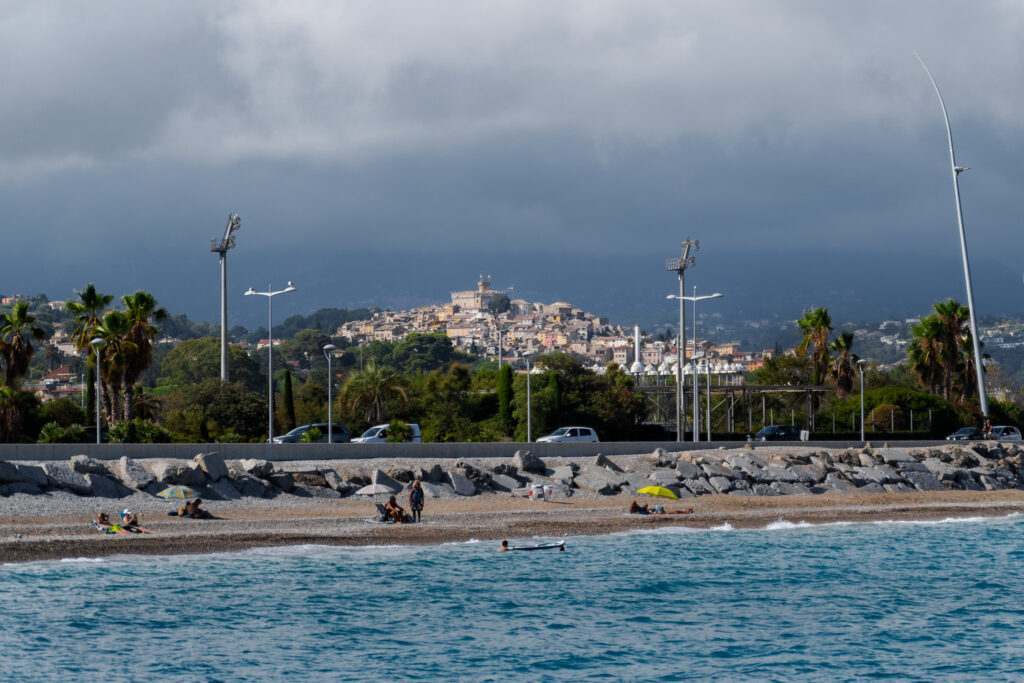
[(616, 480), (250, 486), (714, 469), (564, 473), (223, 490), (106, 487), (8, 471), (174, 472), (462, 484), (32, 474), (282, 480), (664, 477), (336, 482), (307, 491), (589, 481), (13, 487), (837, 483), (212, 464), (525, 461), (894, 457), (698, 486), (942, 470), (64, 477), (720, 484), (314, 478), (132, 474), (687, 470), (379, 477), (601, 460), (748, 464), (809, 474), (86, 465), (505, 483), (782, 473), (256, 467)]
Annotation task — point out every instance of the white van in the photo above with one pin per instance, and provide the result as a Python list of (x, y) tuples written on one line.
[(379, 434)]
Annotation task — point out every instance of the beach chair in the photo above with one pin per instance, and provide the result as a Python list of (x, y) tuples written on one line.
[(382, 514)]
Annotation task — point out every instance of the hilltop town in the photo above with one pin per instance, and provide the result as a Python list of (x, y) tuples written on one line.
[(483, 321)]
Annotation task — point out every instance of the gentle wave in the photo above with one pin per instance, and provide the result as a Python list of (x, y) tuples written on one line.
[(932, 600)]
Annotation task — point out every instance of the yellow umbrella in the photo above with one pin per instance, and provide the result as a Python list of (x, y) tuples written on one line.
[(658, 491)]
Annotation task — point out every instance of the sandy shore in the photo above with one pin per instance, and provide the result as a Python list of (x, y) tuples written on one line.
[(28, 537)]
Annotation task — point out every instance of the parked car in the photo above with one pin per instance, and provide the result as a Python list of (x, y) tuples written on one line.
[(1005, 433), (570, 435), (965, 434), (778, 433), (341, 433), (379, 434)]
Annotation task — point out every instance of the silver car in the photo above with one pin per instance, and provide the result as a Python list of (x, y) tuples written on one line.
[(1005, 433), (570, 435)]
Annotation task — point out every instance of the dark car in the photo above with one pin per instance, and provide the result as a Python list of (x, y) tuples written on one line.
[(966, 434), (341, 434), (778, 433)]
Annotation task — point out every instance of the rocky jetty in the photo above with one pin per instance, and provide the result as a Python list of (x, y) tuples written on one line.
[(762, 471)]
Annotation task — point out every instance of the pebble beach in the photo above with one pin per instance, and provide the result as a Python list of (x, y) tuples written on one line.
[(56, 523)]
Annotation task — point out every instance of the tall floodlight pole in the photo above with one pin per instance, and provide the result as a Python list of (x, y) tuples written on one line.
[(696, 407), (860, 365), (328, 350), (679, 265), (529, 426), (221, 247), (957, 170), (96, 344), (270, 294)]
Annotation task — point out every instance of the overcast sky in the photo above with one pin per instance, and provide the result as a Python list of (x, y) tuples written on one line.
[(386, 153)]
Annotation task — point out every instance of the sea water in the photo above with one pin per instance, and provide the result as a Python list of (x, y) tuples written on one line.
[(906, 601)]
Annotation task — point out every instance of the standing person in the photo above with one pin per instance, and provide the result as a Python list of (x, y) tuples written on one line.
[(416, 500)]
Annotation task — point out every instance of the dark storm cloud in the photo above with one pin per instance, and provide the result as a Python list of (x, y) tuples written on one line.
[(526, 139)]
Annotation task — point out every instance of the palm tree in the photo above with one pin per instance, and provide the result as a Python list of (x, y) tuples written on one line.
[(115, 354), (842, 364), (925, 353), (371, 389), (957, 359), (141, 310), (816, 326), (88, 311), (17, 329)]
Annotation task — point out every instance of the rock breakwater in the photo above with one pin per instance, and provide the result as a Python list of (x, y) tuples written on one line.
[(764, 471)]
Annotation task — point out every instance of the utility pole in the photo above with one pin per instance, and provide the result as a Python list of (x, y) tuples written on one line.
[(221, 247)]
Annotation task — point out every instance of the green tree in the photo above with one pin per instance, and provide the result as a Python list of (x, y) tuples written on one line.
[(196, 360), (371, 391), (88, 312), (448, 400), (288, 400), (505, 398), (17, 329), (141, 311), (843, 362), (115, 354), (15, 407), (816, 326), (941, 351), (425, 352)]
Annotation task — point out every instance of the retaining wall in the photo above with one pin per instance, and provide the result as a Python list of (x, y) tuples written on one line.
[(345, 451)]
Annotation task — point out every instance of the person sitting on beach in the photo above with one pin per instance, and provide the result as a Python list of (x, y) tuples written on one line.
[(635, 509), (130, 521), (103, 522), (193, 510), (395, 510)]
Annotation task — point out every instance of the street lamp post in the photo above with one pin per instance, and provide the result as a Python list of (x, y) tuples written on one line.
[(221, 247), (96, 344), (328, 348), (979, 369), (695, 299), (529, 426), (270, 294), (860, 365)]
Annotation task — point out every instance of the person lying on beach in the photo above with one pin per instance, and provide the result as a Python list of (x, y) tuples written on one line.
[(662, 511), (130, 521), (103, 523), (635, 509), (193, 510), (395, 510)]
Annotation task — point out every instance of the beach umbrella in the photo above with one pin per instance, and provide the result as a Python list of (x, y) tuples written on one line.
[(658, 491), (178, 491), (374, 489)]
